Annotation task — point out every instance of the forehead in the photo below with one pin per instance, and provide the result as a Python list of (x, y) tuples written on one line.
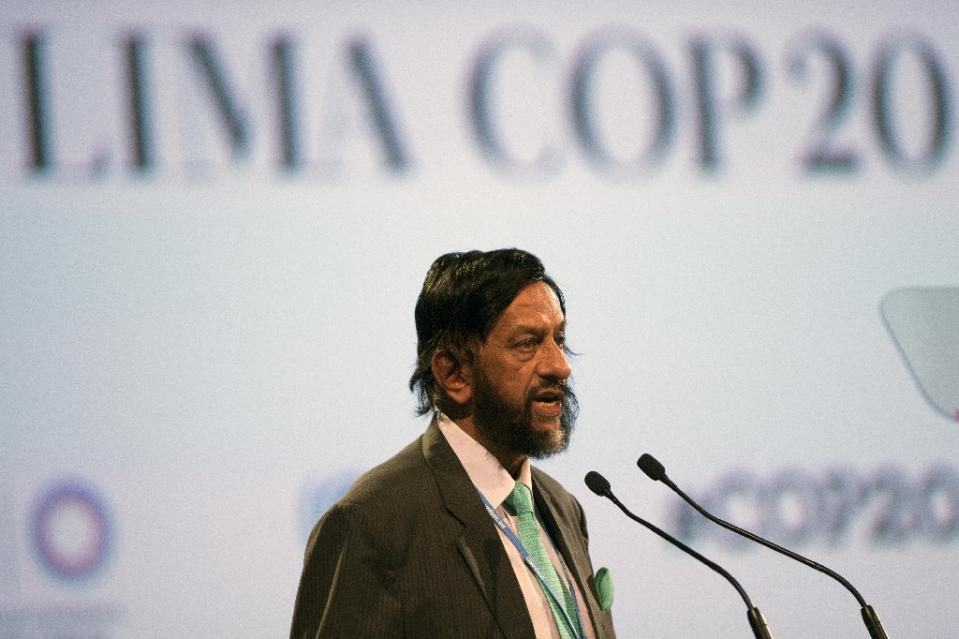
[(535, 305)]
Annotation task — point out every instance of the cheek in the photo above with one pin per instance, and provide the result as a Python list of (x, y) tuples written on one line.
[(512, 379), (519, 386)]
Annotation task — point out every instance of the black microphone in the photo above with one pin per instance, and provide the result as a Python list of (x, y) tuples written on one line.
[(657, 472), (600, 485)]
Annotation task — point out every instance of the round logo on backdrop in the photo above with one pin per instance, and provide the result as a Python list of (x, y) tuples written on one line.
[(319, 494), (71, 530)]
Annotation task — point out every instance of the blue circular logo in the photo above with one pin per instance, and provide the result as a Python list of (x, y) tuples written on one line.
[(71, 531), (319, 494)]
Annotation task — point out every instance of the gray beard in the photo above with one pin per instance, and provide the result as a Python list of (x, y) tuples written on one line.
[(509, 428)]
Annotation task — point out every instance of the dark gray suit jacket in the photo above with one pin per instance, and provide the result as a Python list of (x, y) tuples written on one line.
[(411, 552)]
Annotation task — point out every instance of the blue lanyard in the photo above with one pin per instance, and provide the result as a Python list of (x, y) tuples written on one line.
[(579, 633)]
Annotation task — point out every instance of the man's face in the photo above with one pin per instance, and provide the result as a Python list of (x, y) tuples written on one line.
[(521, 402)]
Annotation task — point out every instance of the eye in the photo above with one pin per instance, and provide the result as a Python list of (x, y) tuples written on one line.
[(527, 345)]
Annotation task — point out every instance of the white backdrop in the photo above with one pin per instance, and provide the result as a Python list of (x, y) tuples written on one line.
[(215, 219)]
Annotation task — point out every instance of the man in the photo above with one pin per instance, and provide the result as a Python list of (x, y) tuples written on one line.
[(444, 540)]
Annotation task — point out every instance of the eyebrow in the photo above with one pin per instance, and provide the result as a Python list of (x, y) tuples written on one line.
[(538, 329)]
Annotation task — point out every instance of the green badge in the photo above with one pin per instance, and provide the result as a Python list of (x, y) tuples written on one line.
[(604, 588)]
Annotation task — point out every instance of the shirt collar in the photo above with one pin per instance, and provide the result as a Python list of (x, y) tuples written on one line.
[(483, 469)]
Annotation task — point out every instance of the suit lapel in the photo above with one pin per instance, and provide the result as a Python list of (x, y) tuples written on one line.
[(479, 544)]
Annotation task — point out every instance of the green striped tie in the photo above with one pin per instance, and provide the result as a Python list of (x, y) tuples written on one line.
[(521, 501)]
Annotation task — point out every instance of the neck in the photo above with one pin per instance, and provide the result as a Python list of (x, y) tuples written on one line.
[(511, 461)]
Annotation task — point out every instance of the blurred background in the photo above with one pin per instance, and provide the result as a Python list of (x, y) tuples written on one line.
[(215, 219)]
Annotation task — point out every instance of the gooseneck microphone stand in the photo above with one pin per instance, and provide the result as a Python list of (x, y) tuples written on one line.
[(657, 472)]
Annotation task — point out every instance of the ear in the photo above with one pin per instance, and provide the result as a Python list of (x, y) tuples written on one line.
[(452, 376)]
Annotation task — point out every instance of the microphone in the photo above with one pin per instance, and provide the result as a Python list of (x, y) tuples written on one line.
[(657, 472), (600, 485)]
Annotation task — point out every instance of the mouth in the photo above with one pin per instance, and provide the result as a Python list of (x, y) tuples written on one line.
[(548, 403)]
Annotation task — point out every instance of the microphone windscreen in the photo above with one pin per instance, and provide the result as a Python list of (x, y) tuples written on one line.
[(597, 483), (651, 466)]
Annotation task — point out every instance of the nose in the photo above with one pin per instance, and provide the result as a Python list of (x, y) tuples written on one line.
[(554, 363)]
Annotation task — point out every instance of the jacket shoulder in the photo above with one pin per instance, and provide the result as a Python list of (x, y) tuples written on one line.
[(383, 487)]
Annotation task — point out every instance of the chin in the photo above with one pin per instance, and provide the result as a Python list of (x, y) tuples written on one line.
[(550, 440), (547, 423)]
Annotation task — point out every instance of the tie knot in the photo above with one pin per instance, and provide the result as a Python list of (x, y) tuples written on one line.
[(521, 500)]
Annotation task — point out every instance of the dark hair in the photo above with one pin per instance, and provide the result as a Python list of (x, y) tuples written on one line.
[(463, 296)]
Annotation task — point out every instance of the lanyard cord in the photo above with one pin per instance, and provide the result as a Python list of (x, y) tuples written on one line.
[(578, 633)]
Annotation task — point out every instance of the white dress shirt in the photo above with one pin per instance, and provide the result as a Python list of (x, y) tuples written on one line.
[(496, 484)]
